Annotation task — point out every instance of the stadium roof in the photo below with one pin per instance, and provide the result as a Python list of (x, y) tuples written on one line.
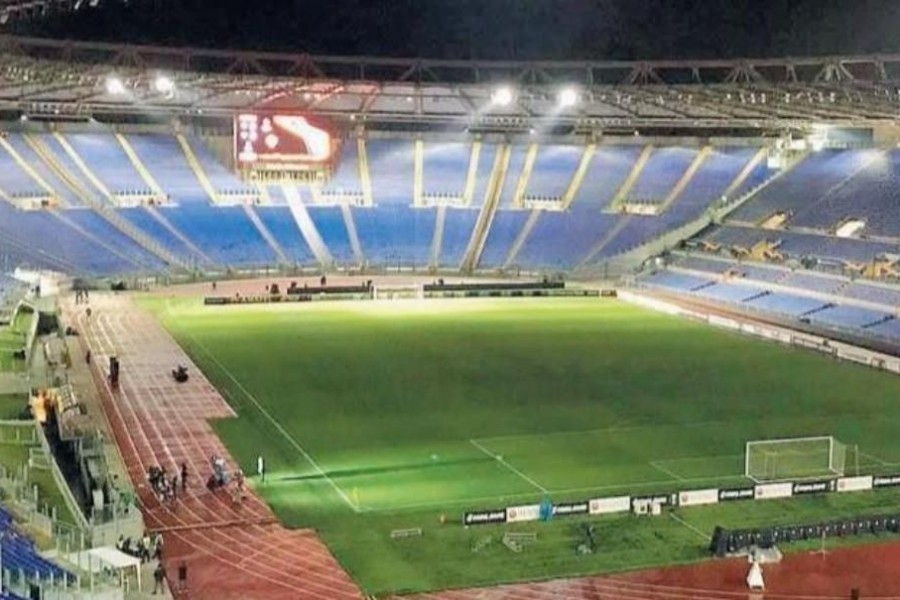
[(84, 78)]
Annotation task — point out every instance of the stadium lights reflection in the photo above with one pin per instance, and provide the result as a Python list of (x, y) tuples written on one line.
[(568, 97), (164, 85), (502, 96), (115, 86)]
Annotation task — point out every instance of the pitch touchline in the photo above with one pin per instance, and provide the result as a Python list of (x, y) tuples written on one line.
[(509, 466), (277, 425)]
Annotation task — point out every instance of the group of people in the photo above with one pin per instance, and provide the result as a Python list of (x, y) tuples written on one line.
[(146, 548), (166, 488)]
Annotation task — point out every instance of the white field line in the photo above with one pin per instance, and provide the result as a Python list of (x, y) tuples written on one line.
[(668, 472), (880, 461), (688, 525), (599, 488), (277, 425), (612, 429), (509, 466)]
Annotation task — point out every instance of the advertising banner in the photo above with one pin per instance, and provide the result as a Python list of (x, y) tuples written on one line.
[(698, 497), (600, 506)]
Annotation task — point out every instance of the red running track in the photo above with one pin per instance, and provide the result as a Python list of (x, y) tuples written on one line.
[(872, 569), (232, 552)]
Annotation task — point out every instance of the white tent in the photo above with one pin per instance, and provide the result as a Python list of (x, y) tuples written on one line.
[(106, 557)]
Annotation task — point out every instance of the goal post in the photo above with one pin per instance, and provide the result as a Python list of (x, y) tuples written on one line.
[(794, 458)]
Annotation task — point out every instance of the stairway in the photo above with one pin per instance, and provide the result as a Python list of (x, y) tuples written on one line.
[(82, 166), (23, 164), (580, 174), (352, 233), (606, 239), (745, 172), (104, 210), (679, 187), (418, 172), (161, 218), (266, 234), (488, 210), (306, 226), (438, 240), (625, 189), (472, 173), (205, 183), (522, 237), (139, 166), (525, 176), (364, 178), (61, 215)]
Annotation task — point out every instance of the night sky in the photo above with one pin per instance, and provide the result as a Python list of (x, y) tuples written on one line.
[(499, 29)]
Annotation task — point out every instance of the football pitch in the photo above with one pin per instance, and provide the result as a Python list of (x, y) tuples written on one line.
[(375, 416)]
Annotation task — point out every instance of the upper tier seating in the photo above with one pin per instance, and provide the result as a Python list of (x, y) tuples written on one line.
[(553, 170), (164, 158), (873, 195), (107, 159), (392, 168), (808, 181), (445, 167), (662, 171), (222, 178)]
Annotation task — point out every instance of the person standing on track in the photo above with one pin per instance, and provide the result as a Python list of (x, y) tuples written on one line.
[(159, 576), (261, 468), (182, 577), (184, 476)]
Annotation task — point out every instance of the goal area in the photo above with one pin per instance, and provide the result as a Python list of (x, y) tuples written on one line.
[(794, 458)]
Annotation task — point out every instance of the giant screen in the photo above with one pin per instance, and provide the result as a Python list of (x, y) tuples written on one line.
[(282, 141)]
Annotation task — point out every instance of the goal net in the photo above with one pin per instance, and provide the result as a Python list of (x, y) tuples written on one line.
[(794, 458)]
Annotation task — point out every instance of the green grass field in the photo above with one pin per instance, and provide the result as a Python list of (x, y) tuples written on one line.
[(379, 416)]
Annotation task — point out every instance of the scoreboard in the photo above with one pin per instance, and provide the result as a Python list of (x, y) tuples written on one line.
[(272, 143)]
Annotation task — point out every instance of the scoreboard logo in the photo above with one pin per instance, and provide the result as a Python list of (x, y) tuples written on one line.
[(282, 140)]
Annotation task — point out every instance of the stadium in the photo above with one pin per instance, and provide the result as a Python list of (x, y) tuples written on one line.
[(288, 325)]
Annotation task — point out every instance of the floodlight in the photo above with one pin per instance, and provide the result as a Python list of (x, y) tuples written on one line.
[(502, 96), (568, 97), (114, 86), (164, 85)]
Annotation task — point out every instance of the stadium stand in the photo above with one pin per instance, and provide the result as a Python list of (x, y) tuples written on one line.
[(166, 162), (20, 555), (815, 176)]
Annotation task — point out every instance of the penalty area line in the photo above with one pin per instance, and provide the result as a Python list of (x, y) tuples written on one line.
[(688, 525), (669, 472), (499, 459), (277, 426)]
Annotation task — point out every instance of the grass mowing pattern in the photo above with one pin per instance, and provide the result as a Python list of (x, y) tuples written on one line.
[(413, 410)]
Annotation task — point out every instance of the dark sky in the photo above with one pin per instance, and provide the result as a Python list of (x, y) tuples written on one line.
[(500, 29)]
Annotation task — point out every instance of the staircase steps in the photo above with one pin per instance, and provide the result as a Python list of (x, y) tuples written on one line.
[(103, 209), (580, 173), (522, 237), (438, 240), (350, 224), (197, 168), (605, 240), (525, 176), (266, 234), (139, 166), (161, 218), (488, 210), (625, 189), (679, 187), (306, 226)]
